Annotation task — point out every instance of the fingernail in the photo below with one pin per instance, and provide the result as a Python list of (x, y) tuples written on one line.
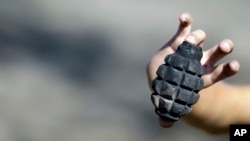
[(184, 18), (190, 39), (226, 46), (235, 66)]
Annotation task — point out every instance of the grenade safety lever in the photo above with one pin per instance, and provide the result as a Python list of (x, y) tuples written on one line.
[(178, 82)]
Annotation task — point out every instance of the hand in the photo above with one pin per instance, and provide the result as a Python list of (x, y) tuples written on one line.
[(213, 73)]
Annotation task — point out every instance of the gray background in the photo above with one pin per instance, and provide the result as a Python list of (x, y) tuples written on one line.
[(75, 70)]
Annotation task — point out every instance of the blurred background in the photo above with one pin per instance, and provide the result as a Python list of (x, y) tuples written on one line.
[(75, 70)]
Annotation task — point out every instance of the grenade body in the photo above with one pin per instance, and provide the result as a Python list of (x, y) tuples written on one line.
[(178, 82)]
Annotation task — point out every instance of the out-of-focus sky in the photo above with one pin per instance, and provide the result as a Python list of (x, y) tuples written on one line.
[(75, 70)]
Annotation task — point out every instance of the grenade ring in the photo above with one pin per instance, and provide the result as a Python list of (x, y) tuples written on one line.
[(178, 82)]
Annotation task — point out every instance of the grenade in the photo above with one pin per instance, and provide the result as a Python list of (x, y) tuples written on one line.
[(178, 82)]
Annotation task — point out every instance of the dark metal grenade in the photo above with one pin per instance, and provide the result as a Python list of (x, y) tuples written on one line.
[(178, 82)]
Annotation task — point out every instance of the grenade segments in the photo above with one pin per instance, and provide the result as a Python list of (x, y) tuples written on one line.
[(178, 82)]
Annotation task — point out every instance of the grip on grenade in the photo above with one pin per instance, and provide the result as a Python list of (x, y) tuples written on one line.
[(178, 82)]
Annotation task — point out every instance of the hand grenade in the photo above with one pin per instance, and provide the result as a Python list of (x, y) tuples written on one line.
[(178, 82)]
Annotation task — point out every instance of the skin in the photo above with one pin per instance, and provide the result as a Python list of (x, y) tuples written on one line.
[(220, 104)]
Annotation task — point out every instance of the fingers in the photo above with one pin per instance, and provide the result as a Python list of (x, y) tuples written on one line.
[(183, 33), (185, 24), (183, 30), (220, 72), (197, 37), (218, 52)]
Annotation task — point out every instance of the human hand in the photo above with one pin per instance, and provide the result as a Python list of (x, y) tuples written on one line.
[(213, 73)]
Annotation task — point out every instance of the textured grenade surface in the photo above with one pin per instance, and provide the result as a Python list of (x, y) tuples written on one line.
[(178, 82)]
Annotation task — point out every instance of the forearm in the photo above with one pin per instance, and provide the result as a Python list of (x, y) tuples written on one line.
[(219, 106)]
